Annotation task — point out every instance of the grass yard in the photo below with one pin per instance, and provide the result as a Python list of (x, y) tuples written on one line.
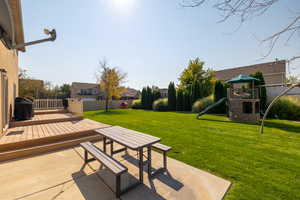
[(260, 166)]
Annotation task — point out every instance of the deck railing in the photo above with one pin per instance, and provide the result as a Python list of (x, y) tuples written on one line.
[(47, 104)]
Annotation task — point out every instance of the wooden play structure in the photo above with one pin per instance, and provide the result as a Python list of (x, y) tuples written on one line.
[(243, 99)]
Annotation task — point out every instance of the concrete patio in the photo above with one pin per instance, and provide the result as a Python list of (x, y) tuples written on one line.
[(62, 175)]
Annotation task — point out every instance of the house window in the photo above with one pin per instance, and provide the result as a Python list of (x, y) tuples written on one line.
[(247, 107)]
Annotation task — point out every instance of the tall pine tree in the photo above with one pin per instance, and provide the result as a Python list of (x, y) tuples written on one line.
[(180, 100), (263, 90), (172, 97), (144, 96)]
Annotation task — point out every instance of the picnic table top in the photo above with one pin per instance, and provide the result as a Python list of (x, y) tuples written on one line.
[(129, 138)]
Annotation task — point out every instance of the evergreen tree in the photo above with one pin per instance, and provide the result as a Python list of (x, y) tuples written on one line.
[(263, 91), (196, 92), (156, 95), (219, 93), (187, 101), (149, 98), (171, 97), (144, 96), (180, 101)]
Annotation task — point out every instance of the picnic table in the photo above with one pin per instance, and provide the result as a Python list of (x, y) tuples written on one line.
[(131, 139)]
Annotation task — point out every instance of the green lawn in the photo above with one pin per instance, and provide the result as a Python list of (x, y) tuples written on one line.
[(260, 166)]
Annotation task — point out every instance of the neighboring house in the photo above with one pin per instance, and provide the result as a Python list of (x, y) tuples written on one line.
[(11, 32), (86, 91), (163, 92), (130, 93), (274, 75), (274, 72), (92, 92)]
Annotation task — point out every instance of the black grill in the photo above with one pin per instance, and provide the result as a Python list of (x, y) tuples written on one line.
[(23, 109)]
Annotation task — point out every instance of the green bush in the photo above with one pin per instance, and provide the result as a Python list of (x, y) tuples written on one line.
[(160, 104), (201, 104), (286, 108), (137, 104)]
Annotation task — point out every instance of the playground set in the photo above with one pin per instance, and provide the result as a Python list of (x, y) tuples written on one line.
[(242, 100)]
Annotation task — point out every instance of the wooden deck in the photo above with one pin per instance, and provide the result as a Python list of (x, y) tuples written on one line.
[(33, 132), (52, 111), (47, 135), (46, 118)]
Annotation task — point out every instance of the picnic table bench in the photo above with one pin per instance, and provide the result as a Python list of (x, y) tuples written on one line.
[(111, 164)]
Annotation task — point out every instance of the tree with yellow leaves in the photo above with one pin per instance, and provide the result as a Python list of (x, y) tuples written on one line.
[(110, 80)]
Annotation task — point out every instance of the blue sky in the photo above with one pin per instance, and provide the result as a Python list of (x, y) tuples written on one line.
[(151, 41)]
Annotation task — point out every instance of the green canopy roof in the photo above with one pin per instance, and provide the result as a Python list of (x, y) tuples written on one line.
[(242, 79)]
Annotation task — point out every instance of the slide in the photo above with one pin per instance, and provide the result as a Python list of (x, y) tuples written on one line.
[(211, 107)]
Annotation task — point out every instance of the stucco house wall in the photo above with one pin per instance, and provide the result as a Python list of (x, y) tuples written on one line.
[(9, 62)]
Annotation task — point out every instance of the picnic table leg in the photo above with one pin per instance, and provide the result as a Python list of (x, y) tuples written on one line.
[(112, 148), (104, 144), (149, 160), (141, 165), (85, 156)]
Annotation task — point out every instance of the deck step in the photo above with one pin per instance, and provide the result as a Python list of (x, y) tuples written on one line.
[(45, 140), (38, 149), (46, 121), (42, 112)]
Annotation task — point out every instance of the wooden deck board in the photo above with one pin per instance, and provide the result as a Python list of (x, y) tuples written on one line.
[(31, 132), (46, 118)]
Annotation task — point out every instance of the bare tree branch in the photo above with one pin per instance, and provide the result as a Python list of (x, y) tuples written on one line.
[(246, 9)]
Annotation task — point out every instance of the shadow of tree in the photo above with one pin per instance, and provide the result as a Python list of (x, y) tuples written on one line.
[(101, 184), (285, 127)]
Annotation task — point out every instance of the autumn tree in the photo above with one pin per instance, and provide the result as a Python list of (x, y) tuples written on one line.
[(110, 80)]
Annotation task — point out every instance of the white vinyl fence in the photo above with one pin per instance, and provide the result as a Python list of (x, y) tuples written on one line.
[(47, 104)]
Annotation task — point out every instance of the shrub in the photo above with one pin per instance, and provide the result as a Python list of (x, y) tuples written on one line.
[(160, 105), (137, 104), (286, 108), (201, 104)]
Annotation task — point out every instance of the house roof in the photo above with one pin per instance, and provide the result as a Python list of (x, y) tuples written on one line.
[(130, 92), (11, 23), (270, 69)]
